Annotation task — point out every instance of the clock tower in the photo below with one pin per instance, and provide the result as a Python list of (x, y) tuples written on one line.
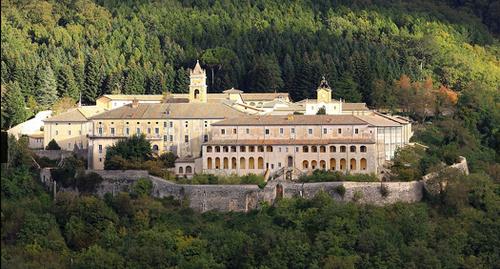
[(324, 92), (197, 84)]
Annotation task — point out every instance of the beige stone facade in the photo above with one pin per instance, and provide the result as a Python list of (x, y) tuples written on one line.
[(70, 129), (301, 144)]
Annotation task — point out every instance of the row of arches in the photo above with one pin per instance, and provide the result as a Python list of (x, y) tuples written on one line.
[(242, 149), (244, 164), (353, 164), (333, 149), (270, 148), (189, 170)]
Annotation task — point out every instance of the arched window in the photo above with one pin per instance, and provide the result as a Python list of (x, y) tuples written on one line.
[(353, 164), (243, 148), (362, 164), (242, 163), (196, 94), (362, 149), (260, 148), (217, 163), (314, 149), (233, 148), (322, 165), (352, 149), (305, 164), (333, 164), (322, 149), (260, 163), (209, 148), (251, 148), (251, 163), (225, 149), (233, 163), (181, 170), (269, 148), (342, 149), (333, 149), (189, 170), (217, 149), (305, 149), (155, 147), (209, 163), (226, 163), (343, 164), (314, 165)]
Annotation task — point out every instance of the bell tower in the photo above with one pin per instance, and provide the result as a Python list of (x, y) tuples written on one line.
[(197, 84), (324, 92)]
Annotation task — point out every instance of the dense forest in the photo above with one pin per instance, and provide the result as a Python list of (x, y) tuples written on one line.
[(458, 228), (435, 61)]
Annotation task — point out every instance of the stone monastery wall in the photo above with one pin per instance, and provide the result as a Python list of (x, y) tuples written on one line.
[(247, 197)]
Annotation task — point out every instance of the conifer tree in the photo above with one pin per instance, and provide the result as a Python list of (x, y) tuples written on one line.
[(92, 80), (266, 74), (181, 81), (134, 81), (47, 87), (169, 77), (13, 105), (66, 84)]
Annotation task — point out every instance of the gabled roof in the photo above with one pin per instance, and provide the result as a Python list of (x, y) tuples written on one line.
[(79, 114), (232, 90), (292, 120), (171, 111), (247, 97), (354, 106)]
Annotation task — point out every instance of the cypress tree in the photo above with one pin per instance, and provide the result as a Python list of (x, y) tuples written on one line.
[(47, 87), (92, 80), (13, 105)]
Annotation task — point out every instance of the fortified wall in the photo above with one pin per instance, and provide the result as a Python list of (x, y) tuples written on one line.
[(247, 197)]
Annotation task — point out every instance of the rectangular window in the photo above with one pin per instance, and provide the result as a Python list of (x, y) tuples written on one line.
[(138, 131), (310, 131), (149, 130), (69, 132), (186, 138), (296, 149), (234, 131), (157, 131), (356, 130), (171, 124), (171, 138), (112, 131), (205, 138), (100, 160), (127, 131), (247, 130), (281, 131), (339, 131), (267, 131), (325, 131), (100, 130), (223, 131), (100, 148), (293, 130), (165, 138), (279, 149), (279, 164), (164, 124)]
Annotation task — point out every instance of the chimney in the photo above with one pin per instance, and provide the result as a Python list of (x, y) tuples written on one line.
[(135, 103)]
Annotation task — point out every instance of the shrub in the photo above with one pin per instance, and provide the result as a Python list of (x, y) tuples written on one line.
[(142, 187), (340, 190), (168, 159), (384, 191), (358, 195), (87, 183), (52, 145)]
